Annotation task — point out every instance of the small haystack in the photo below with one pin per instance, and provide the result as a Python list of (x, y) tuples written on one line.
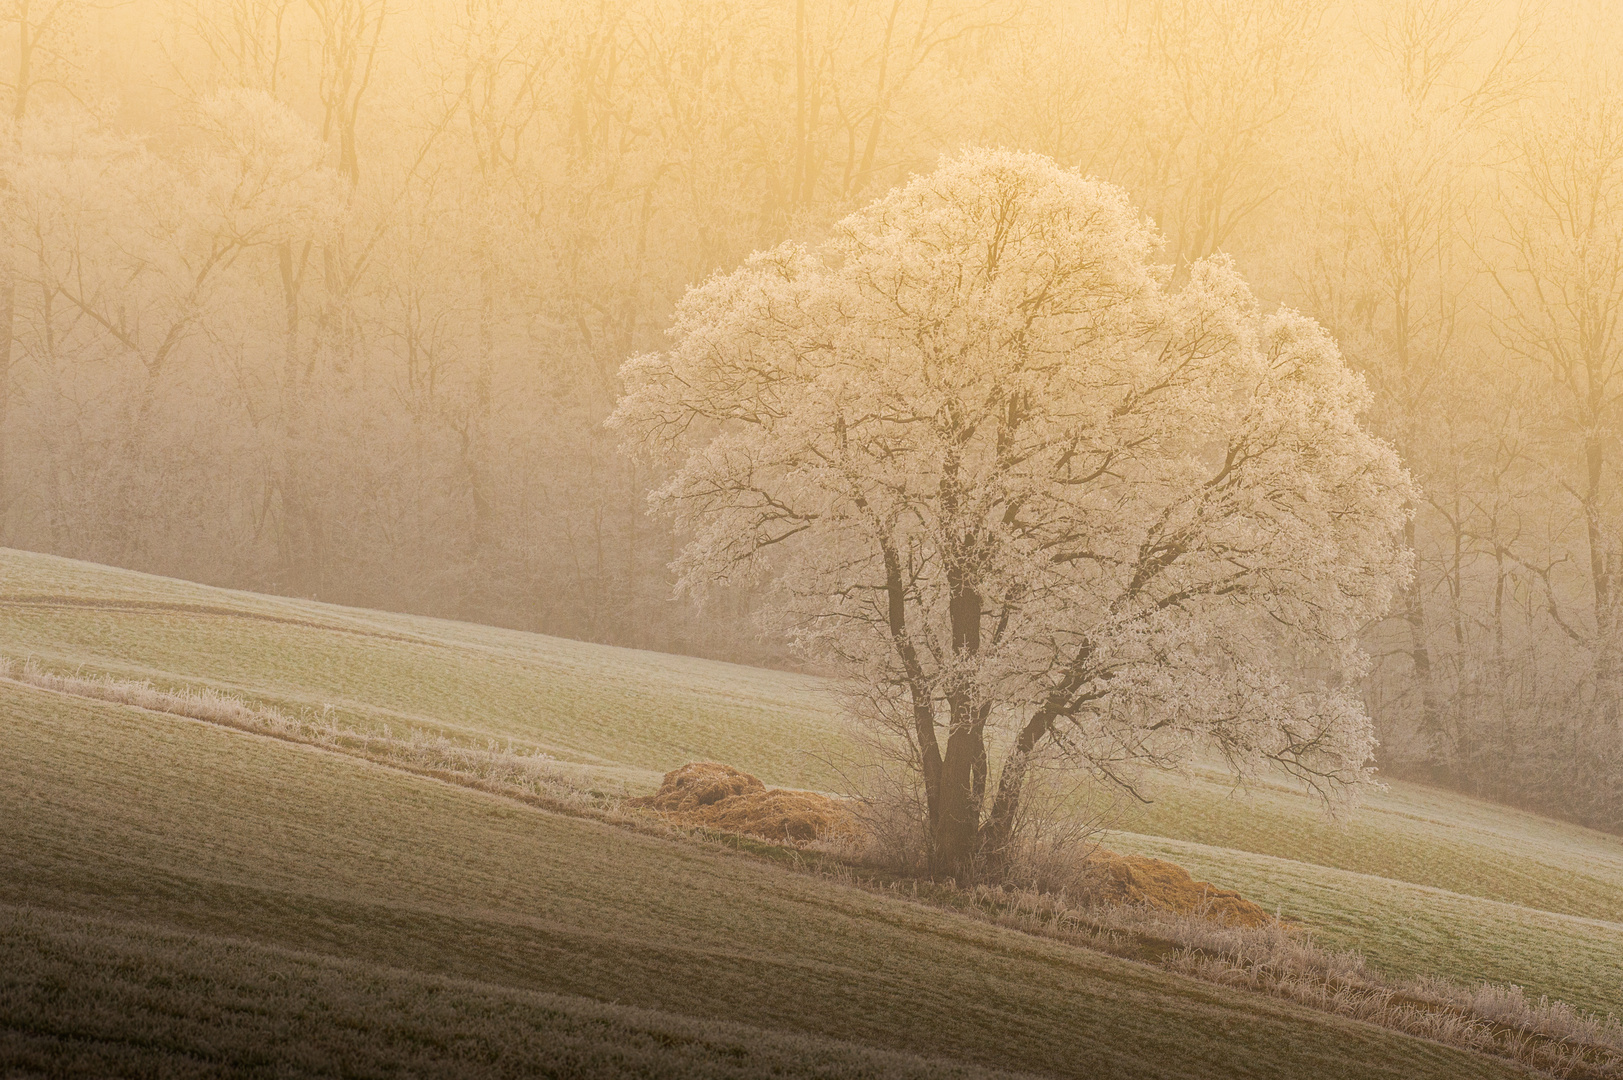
[(1139, 879), (721, 797), (696, 785)]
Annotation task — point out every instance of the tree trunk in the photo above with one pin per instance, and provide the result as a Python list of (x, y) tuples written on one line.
[(1000, 821), (8, 297), (1431, 722), (918, 687), (998, 830), (957, 823), (1602, 568)]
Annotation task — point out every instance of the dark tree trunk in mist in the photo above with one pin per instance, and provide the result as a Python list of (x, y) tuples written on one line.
[(294, 536), (1431, 720), (8, 300), (998, 831), (1603, 570)]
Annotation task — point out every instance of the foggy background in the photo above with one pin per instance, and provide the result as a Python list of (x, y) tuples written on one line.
[(327, 297)]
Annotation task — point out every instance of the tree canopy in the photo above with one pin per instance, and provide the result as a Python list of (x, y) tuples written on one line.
[(1030, 495)]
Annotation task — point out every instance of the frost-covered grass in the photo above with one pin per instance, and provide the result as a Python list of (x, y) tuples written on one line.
[(1287, 960), (1421, 882), (532, 776), (132, 816), (1290, 962)]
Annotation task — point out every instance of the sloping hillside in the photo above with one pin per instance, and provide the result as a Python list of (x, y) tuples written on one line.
[(1421, 881), (147, 819)]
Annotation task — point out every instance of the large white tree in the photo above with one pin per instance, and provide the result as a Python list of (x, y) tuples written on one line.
[(1010, 481)]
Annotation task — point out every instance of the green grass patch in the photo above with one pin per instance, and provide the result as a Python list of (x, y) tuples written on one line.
[(1409, 833), (1407, 930)]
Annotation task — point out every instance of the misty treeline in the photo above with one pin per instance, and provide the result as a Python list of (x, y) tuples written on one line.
[(328, 297)]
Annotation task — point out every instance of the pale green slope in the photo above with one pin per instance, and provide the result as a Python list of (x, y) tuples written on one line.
[(586, 702), (1417, 930), (1407, 833)]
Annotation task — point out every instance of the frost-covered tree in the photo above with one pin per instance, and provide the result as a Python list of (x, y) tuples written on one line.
[(1028, 496)]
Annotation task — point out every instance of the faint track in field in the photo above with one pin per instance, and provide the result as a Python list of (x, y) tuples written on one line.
[(166, 607)]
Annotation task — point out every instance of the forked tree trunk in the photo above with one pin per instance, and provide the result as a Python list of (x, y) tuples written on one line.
[(998, 831), (957, 819)]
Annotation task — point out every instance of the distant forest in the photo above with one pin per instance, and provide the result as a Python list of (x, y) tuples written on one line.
[(328, 297)]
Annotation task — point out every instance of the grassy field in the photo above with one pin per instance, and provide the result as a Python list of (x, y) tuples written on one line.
[(1420, 881), (590, 703), (204, 840), (70, 987)]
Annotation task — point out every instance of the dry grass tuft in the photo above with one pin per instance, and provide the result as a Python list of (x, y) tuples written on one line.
[(721, 797), (1139, 879)]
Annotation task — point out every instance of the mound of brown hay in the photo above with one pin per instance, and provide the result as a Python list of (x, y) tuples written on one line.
[(1139, 879), (722, 797), (696, 785)]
